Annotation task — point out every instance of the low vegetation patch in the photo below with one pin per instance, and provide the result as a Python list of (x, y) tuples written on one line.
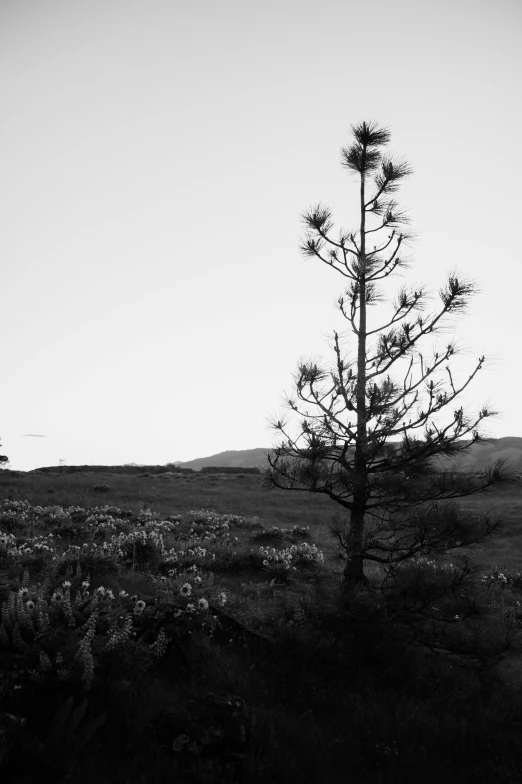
[(275, 533), (189, 636)]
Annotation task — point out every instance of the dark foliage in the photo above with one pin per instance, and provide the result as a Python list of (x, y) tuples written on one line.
[(375, 443)]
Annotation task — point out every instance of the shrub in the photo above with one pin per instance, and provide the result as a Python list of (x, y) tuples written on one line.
[(94, 563), (14, 515), (101, 488), (270, 535), (279, 534), (140, 552), (65, 638), (294, 557)]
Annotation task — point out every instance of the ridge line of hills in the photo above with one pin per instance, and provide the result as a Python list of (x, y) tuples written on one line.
[(479, 456)]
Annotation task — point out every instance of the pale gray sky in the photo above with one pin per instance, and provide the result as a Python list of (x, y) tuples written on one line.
[(155, 159)]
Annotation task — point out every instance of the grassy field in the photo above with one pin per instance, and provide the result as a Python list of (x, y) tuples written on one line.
[(323, 691), (172, 493), (242, 495)]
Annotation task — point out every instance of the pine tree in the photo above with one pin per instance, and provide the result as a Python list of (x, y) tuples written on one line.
[(371, 429)]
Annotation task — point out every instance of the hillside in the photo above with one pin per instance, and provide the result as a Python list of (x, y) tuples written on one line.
[(479, 456), (242, 458)]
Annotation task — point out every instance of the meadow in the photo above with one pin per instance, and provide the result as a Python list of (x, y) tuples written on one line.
[(189, 628)]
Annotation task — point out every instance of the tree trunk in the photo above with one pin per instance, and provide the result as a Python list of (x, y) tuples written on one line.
[(354, 572), (354, 569)]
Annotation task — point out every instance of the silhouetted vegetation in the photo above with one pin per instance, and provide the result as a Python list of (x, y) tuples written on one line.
[(365, 439), (125, 469)]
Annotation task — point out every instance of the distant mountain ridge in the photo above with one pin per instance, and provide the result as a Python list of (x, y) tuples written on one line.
[(508, 448), (233, 458), (479, 456)]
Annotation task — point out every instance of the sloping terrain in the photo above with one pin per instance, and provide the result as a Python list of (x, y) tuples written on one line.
[(478, 456), (242, 458), (481, 455)]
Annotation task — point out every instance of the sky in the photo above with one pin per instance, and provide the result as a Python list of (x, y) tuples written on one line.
[(156, 158)]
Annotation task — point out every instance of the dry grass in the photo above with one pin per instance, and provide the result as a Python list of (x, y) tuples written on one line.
[(243, 495)]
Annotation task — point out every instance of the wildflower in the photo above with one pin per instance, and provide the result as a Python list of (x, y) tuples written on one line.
[(179, 742), (177, 612), (140, 606), (30, 605), (198, 580), (191, 607), (186, 589), (23, 592), (265, 563), (66, 584), (123, 594), (222, 599), (202, 604)]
